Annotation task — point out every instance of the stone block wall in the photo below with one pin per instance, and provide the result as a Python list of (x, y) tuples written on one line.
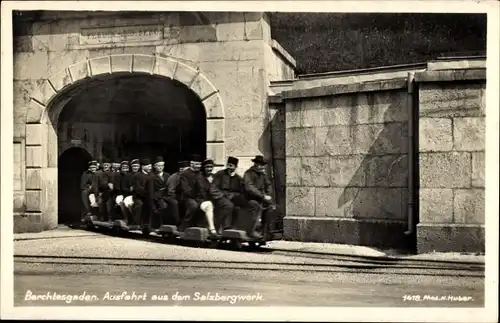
[(346, 164), (451, 160)]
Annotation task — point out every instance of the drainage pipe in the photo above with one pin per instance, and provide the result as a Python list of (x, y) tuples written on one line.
[(411, 154)]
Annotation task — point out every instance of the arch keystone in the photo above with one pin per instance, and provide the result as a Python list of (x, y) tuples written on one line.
[(100, 65), (121, 63), (142, 63)]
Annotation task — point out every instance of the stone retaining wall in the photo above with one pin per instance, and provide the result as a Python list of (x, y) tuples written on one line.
[(452, 160)]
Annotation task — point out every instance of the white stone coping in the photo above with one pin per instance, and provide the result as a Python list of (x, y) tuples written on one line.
[(465, 74), (283, 53)]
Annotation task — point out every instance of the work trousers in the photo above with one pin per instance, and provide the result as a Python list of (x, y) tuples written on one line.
[(227, 211), (168, 211)]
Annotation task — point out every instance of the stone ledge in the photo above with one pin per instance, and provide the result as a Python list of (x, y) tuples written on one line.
[(277, 48), (450, 238), (337, 89), (28, 222), (451, 75), (363, 232)]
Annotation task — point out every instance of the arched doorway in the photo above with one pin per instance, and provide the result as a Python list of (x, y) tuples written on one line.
[(72, 163), (59, 98)]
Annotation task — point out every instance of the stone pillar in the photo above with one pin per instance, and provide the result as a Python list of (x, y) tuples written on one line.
[(451, 160)]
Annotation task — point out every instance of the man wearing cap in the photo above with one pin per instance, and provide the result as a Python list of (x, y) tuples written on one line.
[(202, 193), (258, 192), (88, 187), (160, 205), (128, 201), (122, 184), (226, 192), (173, 192), (142, 190), (106, 187), (187, 191)]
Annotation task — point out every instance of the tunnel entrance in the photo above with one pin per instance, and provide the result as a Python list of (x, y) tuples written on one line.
[(72, 163), (128, 116)]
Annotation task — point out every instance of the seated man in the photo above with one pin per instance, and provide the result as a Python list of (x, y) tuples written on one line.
[(142, 191), (173, 192), (123, 184), (258, 193), (89, 189), (160, 205), (226, 192), (128, 201), (187, 191), (106, 188), (203, 196)]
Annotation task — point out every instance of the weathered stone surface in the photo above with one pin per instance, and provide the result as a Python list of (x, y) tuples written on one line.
[(165, 67), (213, 106), (385, 171), (197, 33), (376, 203), (347, 171), (121, 63), (36, 156), (469, 206), (449, 100), (19, 130), (300, 142), (436, 205), (23, 90), (185, 74), (143, 63), (435, 134), (315, 171), (19, 201), (279, 143), (100, 65), (28, 222), (330, 202), (478, 169), (23, 44), (44, 93), (293, 171), (445, 170), (34, 178), (29, 66), (36, 134), (202, 86), (450, 238), (243, 136), (60, 79), (18, 166), (34, 112), (34, 201), (231, 31), (469, 134), (215, 129), (330, 141), (364, 232), (217, 151), (293, 113), (483, 101), (79, 70), (387, 138), (60, 60), (300, 201), (253, 30)]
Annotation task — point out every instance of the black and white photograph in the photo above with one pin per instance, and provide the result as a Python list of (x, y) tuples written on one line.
[(272, 160)]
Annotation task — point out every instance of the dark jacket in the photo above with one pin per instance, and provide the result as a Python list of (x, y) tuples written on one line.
[(225, 185), (187, 184), (173, 185), (123, 183), (89, 181), (202, 189), (142, 186), (256, 184), (104, 179), (160, 185)]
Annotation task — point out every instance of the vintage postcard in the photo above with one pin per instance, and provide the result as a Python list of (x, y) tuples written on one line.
[(260, 160)]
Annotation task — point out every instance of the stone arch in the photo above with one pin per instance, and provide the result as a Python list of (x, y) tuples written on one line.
[(41, 139)]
